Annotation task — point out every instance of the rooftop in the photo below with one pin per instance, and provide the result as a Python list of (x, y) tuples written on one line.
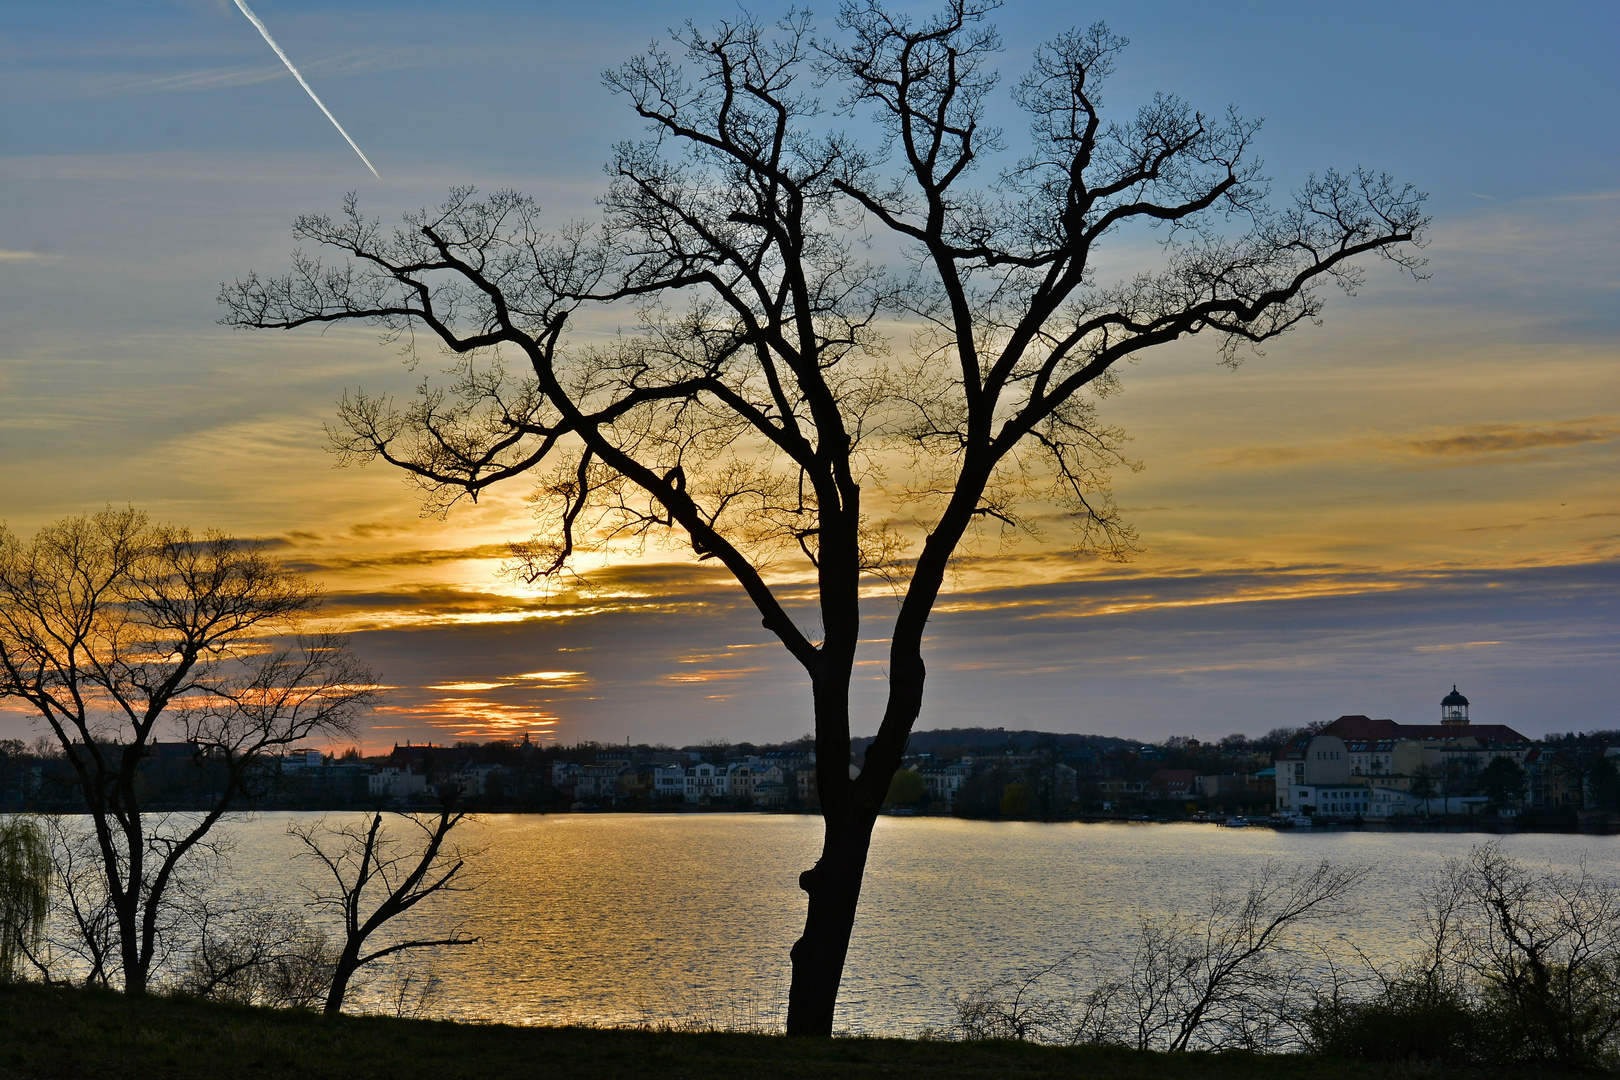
[(1365, 727)]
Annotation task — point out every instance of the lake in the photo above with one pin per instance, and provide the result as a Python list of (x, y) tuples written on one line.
[(610, 919)]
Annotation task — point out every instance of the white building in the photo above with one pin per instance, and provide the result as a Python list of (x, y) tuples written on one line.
[(1361, 766), (474, 779), (301, 760), (669, 782), (597, 782), (705, 783), (564, 774), (1340, 800), (396, 783), (770, 793), (944, 781)]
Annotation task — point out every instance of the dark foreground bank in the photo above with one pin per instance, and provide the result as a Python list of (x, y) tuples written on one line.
[(47, 1032)]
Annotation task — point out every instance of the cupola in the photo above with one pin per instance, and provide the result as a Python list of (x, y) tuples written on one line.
[(1454, 708)]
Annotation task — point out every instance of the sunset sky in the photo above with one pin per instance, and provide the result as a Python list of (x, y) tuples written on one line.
[(1419, 492)]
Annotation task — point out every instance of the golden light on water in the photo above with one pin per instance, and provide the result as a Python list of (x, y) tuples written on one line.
[(583, 907)]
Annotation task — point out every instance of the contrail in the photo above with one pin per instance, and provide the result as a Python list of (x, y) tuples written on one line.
[(254, 19)]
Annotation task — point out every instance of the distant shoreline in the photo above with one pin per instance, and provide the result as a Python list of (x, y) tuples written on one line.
[(1483, 826)]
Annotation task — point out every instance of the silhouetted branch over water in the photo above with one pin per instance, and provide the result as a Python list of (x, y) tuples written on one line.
[(376, 877), (752, 409)]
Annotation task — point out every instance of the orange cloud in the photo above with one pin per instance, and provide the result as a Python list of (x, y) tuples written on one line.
[(473, 718)]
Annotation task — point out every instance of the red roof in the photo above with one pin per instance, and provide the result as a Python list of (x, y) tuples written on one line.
[(1483, 732), (1364, 727)]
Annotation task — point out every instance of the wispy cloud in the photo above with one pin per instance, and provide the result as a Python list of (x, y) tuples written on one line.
[(1542, 519), (1475, 441), (1127, 652), (412, 558), (1511, 438), (1264, 456), (470, 718), (201, 79), (337, 65)]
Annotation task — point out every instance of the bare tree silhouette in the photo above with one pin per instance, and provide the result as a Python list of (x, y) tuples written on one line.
[(366, 859), (755, 409), (117, 633)]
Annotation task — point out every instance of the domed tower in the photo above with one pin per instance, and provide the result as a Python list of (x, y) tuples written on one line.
[(1454, 708)]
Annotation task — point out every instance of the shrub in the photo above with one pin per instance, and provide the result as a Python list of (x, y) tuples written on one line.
[(1410, 1019)]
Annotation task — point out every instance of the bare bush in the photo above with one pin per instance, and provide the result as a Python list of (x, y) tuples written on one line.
[(1544, 949), (1230, 975), (1517, 965), (1221, 977), (408, 990), (1013, 1008), (80, 943), (249, 951)]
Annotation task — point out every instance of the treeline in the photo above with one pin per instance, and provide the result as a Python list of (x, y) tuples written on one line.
[(498, 775)]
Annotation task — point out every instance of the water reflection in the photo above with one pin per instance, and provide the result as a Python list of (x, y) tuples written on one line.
[(637, 918)]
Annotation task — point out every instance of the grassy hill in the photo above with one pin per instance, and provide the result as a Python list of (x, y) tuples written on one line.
[(51, 1032)]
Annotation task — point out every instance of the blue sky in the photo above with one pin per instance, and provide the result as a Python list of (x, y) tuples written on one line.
[(1419, 492)]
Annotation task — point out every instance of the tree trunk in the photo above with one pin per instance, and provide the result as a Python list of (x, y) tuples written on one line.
[(134, 976), (834, 885), (348, 962), (129, 947), (849, 809)]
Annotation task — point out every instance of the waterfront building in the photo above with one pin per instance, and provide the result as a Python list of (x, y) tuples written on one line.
[(706, 782), (1174, 783), (944, 781), (396, 783), (1361, 766), (740, 781), (669, 782)]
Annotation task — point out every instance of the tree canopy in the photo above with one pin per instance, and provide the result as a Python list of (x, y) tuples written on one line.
[(800, 205), (118, 634)]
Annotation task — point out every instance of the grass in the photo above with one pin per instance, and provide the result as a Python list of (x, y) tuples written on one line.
[(51, 1032)]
